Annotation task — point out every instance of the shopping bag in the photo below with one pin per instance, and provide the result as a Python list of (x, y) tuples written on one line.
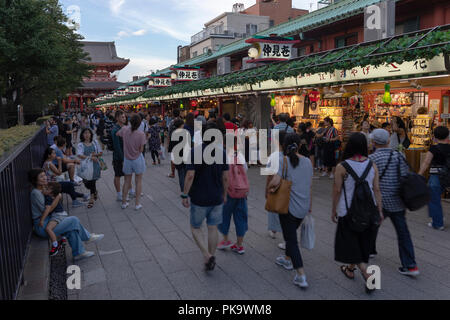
[(86, 169), (307, 236), (102, 163), (161, 153)]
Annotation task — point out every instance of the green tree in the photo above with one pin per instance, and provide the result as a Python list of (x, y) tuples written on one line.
[(40, 56)]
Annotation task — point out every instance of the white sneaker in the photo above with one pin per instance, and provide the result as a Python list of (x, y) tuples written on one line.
[(324, 174), (119, 198), (125, 205), (84, 255), (282, 245), (430, 224), (300, 281), (131, 194), (282, 261), (272, 234), (138, 207), (95, 237), (331, 176)]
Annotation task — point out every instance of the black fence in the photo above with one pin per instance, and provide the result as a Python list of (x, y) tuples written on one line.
[(15, 211)]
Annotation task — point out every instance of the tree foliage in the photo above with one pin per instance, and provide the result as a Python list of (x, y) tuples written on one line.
[(40, 56)]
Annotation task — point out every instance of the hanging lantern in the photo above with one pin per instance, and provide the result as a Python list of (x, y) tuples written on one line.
[(181, 106), (387, 93), (273, 103), (146, 105)]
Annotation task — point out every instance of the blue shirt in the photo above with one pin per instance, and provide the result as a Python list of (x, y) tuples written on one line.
[(301, 177), (207, 187), (284, 126), (54, 131)]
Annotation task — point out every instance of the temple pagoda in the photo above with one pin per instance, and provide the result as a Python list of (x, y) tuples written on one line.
[(103, 57)]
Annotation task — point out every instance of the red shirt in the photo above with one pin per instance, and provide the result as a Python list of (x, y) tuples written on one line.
[(231, 126)]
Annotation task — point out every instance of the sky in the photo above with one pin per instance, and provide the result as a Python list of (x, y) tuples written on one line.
[(148, 32)]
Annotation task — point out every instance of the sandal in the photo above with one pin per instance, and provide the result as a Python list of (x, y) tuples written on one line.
[(368, 290), (171, 175), (90, 203), (96, 196), (209, 266), (345, 269)]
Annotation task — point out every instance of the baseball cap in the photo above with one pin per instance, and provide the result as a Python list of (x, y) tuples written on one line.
[(380, 136)]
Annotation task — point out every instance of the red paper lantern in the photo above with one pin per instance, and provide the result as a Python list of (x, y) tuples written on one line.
[(194, 103)]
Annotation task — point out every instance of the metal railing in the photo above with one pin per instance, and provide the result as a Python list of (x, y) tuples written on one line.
[(15, 211)]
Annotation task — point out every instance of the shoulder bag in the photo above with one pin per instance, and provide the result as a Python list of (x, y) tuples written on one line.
[(278, 201)]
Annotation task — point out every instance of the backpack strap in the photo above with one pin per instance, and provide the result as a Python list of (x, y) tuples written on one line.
[(387, 165)]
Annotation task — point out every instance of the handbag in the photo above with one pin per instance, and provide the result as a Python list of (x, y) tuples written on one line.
[(307, 235), (86, 169), (414, 191), (102, 164), (278, 201)]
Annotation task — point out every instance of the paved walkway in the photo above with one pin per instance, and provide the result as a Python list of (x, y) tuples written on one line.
[(151, 254)]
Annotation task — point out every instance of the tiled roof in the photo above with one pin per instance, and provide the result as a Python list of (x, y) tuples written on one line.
[(103, 52), (338, 11), (104, 85)]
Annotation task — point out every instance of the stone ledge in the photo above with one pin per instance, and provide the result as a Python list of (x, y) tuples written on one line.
[(36, 273)]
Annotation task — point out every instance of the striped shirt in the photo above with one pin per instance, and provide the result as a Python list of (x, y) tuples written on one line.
[(390, 182)]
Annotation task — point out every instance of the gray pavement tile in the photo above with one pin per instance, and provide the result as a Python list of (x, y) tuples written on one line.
[(93, 276), (163, 224), (168, 259), (128, 289), (188, 286), (180, 242), (154, 282), (125, 230), (135, 250), (97, 291)]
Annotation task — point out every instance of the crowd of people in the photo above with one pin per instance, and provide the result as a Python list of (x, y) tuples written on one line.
[(367, 176)]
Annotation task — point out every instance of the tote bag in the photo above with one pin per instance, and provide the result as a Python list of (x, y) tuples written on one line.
[(278, 201), (86, 169), (307, 235)]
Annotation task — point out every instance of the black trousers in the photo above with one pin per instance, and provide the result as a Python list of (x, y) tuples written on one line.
[(289, 225), (155, 155), (91, 185), (69, 188)]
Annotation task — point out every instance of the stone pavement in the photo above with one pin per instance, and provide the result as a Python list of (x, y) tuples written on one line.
[(150, 254)]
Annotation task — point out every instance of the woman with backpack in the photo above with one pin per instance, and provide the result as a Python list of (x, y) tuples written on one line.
[(236, 204), (300, 173), (357, 214), (438, 160)]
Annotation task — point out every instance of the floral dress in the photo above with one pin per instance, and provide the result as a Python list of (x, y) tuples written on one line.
[(154, 141)]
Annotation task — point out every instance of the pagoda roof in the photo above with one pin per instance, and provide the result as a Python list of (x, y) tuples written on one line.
[(102, 85), (103, 53)]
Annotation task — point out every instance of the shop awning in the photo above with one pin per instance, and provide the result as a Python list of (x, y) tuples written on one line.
[(416, 53)]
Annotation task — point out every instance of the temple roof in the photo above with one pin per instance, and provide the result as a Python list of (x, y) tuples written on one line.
[(101, 85), (103, 53)]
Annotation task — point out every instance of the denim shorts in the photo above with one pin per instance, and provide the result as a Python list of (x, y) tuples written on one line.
[(212, 214), (134, 166)]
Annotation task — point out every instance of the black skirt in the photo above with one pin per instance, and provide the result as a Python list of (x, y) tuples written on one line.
[(352, 247), (329, 154)]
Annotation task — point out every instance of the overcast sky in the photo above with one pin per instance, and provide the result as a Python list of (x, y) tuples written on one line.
[(148, 31)]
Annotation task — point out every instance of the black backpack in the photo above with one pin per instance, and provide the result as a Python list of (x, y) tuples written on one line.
[(414, 191), (108, 141), (363, 212), (444, 172)]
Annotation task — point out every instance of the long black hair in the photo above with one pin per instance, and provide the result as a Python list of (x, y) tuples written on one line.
[(135, 122), (47, 153), (356, 145), (291, 144)]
